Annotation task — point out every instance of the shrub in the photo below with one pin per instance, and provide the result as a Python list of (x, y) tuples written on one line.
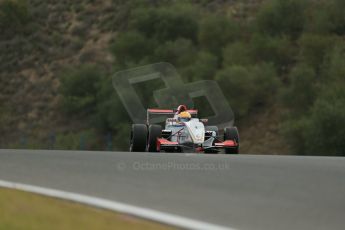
[(294, 132), (327, 17), (277, 50), (180, 52), (317, 116), (6, 116), (79, 90), (333, 67), (109, 110), (237, 53), (216, 31), (337, 17), (246, 87), (82, 140), (14, 14), (313, 48), (300, 95), (80, 30), (204, 66), (282, 17), (326, 130), (166, 23), (121, 138), (266, 83), (131, 46), (319, 18), (236, 83), (111, 116)]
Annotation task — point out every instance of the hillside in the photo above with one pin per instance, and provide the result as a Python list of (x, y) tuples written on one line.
[(56, 36), (42, 42)]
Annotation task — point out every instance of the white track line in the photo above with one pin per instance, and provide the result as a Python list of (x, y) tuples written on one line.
[(145, 213)]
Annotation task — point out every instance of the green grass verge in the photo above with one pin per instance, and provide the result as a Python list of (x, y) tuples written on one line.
[(22, 210)]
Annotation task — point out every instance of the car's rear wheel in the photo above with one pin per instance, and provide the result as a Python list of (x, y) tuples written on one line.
[(138, 138), (231, 133), (155, 131)]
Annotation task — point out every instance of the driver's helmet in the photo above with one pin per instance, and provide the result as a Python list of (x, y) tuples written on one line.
[(181, 109), (184, 116)]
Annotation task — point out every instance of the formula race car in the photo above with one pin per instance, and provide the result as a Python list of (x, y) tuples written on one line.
[(182, 133)]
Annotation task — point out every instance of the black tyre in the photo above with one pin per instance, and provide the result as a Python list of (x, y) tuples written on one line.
[(138, 138), (155, 131), (231, 133)]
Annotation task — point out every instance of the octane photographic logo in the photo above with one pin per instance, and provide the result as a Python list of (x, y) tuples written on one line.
[(172, 166), (176, 92)]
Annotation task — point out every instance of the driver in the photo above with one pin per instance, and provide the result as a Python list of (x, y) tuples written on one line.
[(182, 115)]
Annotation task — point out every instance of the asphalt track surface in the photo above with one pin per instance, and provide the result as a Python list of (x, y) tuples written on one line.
[(242, 192)]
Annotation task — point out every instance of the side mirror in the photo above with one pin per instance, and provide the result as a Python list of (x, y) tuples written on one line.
[(203, 120)]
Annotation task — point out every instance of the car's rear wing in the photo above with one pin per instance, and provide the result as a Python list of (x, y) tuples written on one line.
[(166, 112)]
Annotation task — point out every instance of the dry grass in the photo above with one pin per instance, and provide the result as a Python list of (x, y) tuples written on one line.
[(22, 210)]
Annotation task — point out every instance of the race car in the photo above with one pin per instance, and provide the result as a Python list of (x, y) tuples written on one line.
[(183, 132)]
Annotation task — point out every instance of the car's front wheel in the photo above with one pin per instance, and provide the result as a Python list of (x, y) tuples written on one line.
[(138, 138), (231, 133)]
